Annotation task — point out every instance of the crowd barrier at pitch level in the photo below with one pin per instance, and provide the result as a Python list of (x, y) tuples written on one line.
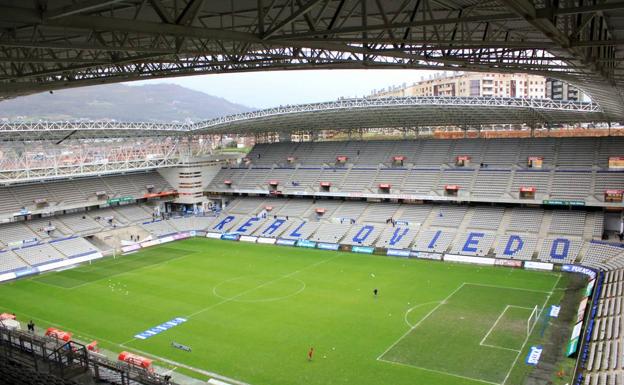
[(580, 333)]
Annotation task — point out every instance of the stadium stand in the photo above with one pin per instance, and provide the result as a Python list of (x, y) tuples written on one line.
[(80, 223), (560, 250), (16, 232), (515, 246), (433, 241), (488, 218), (133, 213), (10, 261), (159, 227), (300, 230), (39, 254), (567, 222), (397, 237), (363, 235), (476, 243), (59, 195), (330, 233), (486, 172), (74, 246), (526, 220), (490, 170)]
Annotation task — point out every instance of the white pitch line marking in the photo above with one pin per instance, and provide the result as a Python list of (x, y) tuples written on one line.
[(439, 372), (422, 319), (531, 331)]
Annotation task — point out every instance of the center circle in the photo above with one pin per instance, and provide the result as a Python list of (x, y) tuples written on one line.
[(258, 288)]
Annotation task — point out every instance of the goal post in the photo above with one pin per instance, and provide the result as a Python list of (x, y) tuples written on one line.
[(533, 318)]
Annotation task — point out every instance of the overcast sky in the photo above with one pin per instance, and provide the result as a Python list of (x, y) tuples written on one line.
[(269, 89)]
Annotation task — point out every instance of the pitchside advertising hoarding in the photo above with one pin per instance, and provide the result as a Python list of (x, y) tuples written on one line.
[(579, 269), (508, 263), (589, 288), (530, 265), (230, 236), (285, 242), (472, 260), (362, 249), (535, 352), (572, 346), (580, 314), (398, 253), (426, 255), (306, 243), (328, 246), (267, 241)]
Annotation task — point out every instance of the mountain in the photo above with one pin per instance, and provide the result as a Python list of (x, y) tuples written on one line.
[(154, 102)]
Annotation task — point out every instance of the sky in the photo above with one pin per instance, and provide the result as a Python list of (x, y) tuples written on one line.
[(274, 88)]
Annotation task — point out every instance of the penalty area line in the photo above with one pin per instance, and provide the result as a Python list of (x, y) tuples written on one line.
[(422, 320), (438, 372), (531, 331)]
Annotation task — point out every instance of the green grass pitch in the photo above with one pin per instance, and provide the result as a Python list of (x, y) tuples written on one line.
[(255, 310)]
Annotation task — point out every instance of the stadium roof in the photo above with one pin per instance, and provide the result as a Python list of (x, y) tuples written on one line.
[(345, 114), (53, 44)]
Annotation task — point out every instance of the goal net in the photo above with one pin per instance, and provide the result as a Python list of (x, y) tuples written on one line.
[(533, 318)]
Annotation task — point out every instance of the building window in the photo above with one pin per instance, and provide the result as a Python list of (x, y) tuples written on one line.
[(475, 87)]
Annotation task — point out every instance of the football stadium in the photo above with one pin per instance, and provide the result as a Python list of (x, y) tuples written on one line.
[(437, 238)]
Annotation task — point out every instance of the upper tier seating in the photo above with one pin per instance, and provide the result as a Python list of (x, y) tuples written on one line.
[(495, 169), (55, 195)]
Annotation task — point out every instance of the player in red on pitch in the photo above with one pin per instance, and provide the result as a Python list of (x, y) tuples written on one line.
[(310, 354)]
